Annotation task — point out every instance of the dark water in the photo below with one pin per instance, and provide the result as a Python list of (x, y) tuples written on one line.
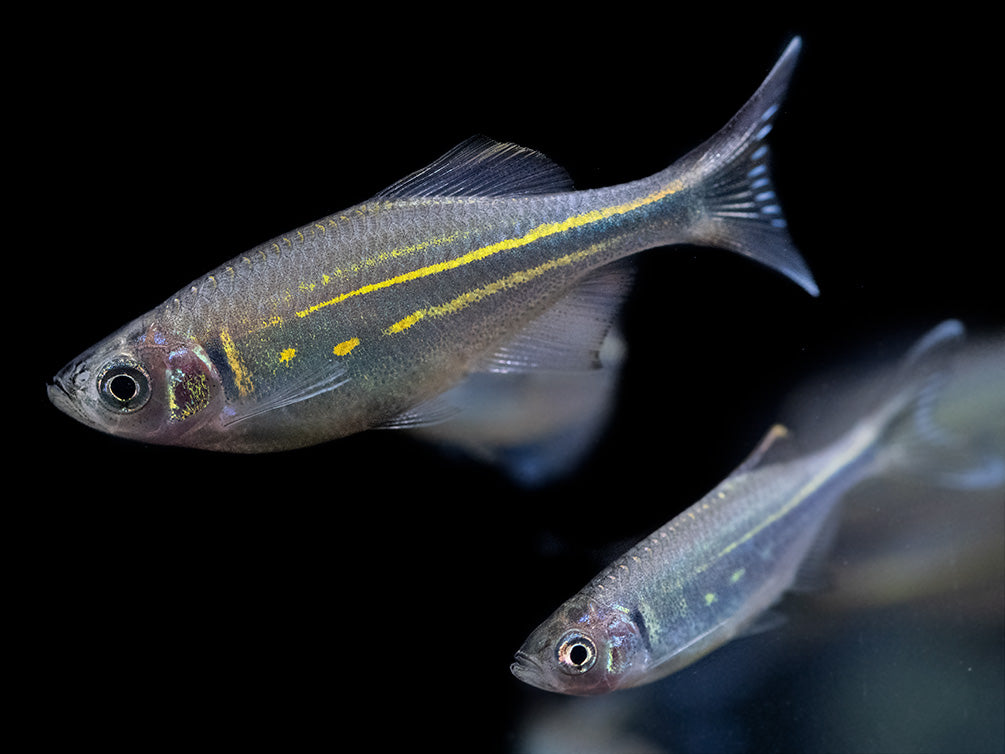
[(369, 594)]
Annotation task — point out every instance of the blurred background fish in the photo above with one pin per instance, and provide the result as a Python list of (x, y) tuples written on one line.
[(535, 425), (711, 573), (907, 538), (910, 586)]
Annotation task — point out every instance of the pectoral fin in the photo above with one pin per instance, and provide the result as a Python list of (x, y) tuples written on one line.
[(309, 385)]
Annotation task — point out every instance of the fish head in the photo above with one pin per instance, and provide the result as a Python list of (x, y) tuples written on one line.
[(143, 383), (583, 649)]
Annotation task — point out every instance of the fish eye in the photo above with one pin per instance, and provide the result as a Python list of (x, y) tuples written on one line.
[(576, 653), (124, 386)]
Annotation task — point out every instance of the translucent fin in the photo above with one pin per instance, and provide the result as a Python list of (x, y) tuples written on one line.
[(910, 440), (569, 335), (481, 167), (536, 425), (538, 404), (814, 572), (309, 386), (765, 622), (731, 178), (763, 450), (426, 414), (905, 414)]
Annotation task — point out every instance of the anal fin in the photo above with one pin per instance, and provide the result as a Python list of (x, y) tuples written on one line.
[(569, 335)]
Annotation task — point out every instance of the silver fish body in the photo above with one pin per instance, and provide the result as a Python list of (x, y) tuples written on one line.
[(485, 261), (708, 575)]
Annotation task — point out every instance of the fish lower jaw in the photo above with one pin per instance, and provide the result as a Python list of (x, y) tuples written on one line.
[(528, 670), (63, 399)]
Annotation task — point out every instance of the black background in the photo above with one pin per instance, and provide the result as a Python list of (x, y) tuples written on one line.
[(370, 586)]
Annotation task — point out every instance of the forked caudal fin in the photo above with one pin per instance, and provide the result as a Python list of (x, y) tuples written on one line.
[(730, 175), (909, 440)]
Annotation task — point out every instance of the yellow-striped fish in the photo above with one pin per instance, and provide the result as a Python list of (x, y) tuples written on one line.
[(708, 575), (485, 261)]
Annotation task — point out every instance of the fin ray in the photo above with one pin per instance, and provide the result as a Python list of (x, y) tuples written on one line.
[(569, 335), (730, 172), (482, 167), (293, 393), (768, 444)]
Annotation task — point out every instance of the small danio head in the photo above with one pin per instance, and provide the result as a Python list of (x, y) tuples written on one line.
[(583, 649), (140, 383)]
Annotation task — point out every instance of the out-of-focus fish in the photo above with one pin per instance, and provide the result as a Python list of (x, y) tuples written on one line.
[(536, 425), (711, 572), (485, 261), (926, 544)]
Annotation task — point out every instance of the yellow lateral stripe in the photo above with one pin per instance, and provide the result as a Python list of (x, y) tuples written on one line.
[(835, 466), (477, 294), (541, 231), (242, 378)]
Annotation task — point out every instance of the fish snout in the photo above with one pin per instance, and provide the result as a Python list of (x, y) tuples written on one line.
[(527, 669), (67, 388)]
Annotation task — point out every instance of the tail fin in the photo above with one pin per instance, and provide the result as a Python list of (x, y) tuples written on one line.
[(910, 440), (733, 184)]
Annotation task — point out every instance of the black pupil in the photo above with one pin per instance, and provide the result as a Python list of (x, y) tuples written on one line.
[(123, 387), (579, 654)]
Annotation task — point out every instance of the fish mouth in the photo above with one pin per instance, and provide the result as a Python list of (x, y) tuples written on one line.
[(529, 670), (64, 398), (60, 397)]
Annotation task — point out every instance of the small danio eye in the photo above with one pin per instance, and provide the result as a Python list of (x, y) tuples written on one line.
[(124, 386), (576, 653)]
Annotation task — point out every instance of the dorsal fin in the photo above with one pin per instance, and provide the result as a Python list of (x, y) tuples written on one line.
[(769, 443), (482, 167)]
